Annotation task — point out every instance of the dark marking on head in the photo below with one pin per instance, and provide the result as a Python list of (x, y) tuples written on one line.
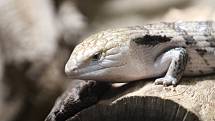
[(151, 40), (189, 40), (201, 52)]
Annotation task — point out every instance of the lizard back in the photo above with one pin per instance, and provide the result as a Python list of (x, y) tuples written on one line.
[(197, 37)]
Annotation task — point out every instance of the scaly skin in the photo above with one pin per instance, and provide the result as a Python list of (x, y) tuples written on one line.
[(170, 50), (133, 53)]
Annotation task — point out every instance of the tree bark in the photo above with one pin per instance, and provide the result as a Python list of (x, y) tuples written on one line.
[(192, 100)]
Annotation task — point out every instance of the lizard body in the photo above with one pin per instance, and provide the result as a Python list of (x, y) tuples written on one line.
[(153, 50)]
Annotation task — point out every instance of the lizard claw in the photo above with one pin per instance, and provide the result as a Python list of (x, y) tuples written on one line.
[(166, 81)]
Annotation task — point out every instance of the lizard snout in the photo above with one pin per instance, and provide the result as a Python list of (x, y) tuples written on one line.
[(71, 70)]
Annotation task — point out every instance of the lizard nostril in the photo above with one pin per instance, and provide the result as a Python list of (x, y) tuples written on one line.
[(74, 69), (71, 70)]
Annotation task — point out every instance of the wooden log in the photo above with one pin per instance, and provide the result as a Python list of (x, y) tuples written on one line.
[(192, 100)]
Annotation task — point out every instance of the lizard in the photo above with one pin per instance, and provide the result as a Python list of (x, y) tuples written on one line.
[(165, 51)]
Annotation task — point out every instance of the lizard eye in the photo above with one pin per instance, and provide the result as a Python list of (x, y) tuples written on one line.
[(97, 56)]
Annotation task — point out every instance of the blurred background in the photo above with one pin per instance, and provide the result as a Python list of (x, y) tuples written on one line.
[(37, 37)]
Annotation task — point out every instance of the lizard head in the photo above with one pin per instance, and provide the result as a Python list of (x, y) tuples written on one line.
[(100, 57)]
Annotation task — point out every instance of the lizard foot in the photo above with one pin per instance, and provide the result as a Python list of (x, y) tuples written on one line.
[(166, 81)]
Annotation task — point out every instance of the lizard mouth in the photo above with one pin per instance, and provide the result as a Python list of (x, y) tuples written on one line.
[(94, 72), (81, 73), (84, 73)]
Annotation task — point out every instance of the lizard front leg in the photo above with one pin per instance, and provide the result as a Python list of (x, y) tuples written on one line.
[(178, 61)]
